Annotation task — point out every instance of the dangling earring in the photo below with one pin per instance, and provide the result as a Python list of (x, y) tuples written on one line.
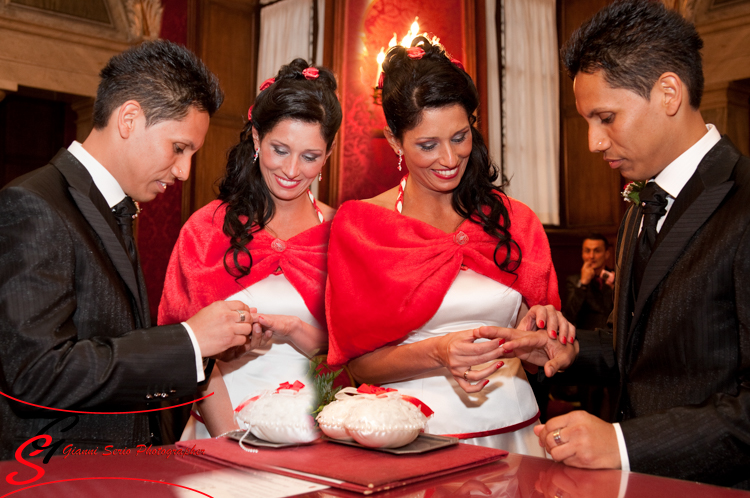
[(257, 153), (400, 158), (320, 176)]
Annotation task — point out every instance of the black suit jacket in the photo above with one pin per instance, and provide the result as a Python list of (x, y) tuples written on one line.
[(587, 307), (682, 346), (74, 318)]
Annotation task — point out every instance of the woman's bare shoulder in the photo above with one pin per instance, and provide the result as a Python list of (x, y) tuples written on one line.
[(386, 199)]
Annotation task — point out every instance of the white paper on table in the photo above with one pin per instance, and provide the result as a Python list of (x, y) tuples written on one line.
[(231, 483)]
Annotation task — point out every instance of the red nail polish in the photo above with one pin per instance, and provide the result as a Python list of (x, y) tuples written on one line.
[(541, 324), (554, 334), (502, 341), (508, 350), (500, 364), (486, 382), (562, 339)]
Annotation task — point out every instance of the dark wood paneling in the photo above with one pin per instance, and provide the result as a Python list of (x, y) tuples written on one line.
[(590, 198), (224, 34)]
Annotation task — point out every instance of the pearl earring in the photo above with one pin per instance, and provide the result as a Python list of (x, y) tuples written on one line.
[(320, 176), (400, 158)]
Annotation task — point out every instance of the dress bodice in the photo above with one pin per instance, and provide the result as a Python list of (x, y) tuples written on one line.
[(473, 300)]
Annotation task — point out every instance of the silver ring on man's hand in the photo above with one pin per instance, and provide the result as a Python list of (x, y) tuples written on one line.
[(242, 315), (557, 438), (466, 373)]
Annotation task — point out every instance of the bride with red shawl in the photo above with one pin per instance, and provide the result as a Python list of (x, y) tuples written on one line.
[(263, 242), (416, 271)]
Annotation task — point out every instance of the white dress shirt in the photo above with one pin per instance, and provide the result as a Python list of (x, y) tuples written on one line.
[(673, 179), (113, 194)]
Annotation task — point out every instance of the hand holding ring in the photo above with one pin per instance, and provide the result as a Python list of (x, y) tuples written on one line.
[(467, 373), (242, 315)]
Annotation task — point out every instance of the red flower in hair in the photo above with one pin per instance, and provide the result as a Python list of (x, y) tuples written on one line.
[(458, 64), (267, 83), (310, 73), (415, 53), (250, 114), (381, 80)]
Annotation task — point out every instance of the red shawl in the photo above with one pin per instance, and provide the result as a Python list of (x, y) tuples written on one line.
[(196, 276), (388, 273)]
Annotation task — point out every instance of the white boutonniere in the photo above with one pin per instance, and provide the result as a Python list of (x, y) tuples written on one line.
[(632, 190)]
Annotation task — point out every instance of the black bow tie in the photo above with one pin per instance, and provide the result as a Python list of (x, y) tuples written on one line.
[(125, 211), (653, 200)]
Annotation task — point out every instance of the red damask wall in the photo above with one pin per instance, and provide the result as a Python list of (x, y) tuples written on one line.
[(161, 219), (368, 165)]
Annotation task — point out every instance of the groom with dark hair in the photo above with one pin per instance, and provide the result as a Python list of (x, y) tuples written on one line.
[(75, 330), (681, 335)]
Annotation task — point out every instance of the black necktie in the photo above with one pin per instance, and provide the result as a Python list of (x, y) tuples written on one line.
[(653, 200), (124, 212)]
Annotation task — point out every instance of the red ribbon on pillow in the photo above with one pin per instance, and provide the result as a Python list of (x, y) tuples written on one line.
[(372, 389), (426, 411), (377, 390), (295, 387)]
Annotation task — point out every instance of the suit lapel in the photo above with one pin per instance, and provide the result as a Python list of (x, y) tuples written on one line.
[(623, 303), (708, 187), (95, 209)]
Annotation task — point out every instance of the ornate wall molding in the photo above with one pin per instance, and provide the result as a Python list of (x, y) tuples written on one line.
[(61, 46)]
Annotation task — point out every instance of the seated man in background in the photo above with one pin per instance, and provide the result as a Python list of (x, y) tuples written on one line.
[(590, 296), (588, 304)]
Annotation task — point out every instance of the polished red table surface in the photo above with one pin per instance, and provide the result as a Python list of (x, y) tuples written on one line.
[(157, 475)]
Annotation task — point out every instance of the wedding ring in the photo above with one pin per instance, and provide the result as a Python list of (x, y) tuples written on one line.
[(242, 315), (557, 438), (467, 373)]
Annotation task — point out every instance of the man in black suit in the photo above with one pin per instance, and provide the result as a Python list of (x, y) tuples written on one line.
[(75, 331), (681, 333)]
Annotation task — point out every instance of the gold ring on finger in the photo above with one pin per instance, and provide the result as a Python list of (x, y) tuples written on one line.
[(242, 315), (466, 373), (557, 438)]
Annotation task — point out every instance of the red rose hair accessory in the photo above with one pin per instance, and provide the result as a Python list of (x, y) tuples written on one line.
[(250, 114), (415, 53), (381, 81), (267, 83), (458, 64), (310, 73)]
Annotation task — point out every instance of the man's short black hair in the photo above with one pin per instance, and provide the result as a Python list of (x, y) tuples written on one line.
[(598, 236), (166, 79), (634, 42)]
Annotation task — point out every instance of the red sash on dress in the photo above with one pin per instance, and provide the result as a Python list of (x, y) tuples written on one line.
[(196, 276), (388, 273)]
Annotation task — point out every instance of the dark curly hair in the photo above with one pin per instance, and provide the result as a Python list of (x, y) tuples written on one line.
[(243, 190), (634, 42), (412, 85)]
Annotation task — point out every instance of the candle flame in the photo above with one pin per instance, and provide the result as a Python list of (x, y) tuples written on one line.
[(381, 56)]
